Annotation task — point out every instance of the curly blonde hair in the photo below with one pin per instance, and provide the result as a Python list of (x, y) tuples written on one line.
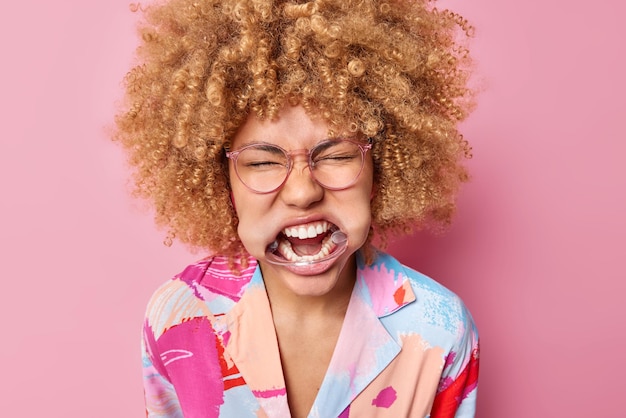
[(395, 71)]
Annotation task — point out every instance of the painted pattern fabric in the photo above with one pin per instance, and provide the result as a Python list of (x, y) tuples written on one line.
[(408, 348)]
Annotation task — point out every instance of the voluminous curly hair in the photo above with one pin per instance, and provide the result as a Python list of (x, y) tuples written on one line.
[(395, 71)]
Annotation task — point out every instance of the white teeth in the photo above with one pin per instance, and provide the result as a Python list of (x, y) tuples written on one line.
[(285, 249), (310, 230), (307, 231)]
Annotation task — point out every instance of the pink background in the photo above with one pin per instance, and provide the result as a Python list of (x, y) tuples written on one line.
[(537, 250)]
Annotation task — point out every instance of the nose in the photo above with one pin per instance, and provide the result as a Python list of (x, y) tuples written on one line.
[(301, 190)]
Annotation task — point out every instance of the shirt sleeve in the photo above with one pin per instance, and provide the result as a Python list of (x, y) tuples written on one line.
[(456, 395), (160, 395)]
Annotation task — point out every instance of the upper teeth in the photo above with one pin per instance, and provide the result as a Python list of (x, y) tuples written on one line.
[(307, 231)]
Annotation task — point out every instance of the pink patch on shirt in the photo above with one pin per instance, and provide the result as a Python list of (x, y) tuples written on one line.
[(389, 290), (450, 358), (385, 398), (345, 413), (269, 393)]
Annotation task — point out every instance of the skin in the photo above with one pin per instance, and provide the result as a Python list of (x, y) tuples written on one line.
[(308, 310)]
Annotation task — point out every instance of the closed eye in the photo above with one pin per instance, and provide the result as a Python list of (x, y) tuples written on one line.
[(339, 157), (262, 157), (263, 164)]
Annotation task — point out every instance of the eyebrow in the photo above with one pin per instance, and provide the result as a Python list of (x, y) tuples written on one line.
[(321, 145), (274, 149), (327, 143), (264, 146)]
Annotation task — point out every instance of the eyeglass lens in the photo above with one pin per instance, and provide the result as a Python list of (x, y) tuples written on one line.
[(334, 164)]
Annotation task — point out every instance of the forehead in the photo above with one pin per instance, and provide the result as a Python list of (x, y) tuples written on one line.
[(293, 128)]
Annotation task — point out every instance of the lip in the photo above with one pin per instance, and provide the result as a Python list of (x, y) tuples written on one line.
[(313, 269), (304, 220), (310, 267), (305, 267)]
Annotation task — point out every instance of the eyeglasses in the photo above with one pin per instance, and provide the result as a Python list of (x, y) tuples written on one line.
[(335, 164)]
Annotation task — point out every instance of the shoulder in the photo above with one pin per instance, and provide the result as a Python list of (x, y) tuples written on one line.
[(208, 287), (435, 310)]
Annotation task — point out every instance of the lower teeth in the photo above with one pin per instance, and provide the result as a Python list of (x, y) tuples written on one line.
[(287, 251)]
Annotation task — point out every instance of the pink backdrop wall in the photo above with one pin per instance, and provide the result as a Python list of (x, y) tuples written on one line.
[(537, 250)]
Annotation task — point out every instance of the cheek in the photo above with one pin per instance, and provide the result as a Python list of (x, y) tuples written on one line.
[(251, 212), (360, 210), (373, 192), (231, 187), (232, 201), (368, 178), (238, 195), (240, 206)]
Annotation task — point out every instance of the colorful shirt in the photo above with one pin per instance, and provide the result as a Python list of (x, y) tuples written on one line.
[(408, 347)]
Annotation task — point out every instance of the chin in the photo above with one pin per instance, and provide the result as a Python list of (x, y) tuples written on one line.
[(310, 280)]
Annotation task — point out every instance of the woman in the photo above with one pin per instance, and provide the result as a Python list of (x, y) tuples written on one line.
[(282, 137)]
